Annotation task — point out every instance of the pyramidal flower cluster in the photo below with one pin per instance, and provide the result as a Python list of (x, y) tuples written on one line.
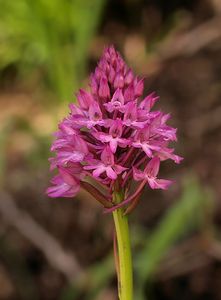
[(112, 136)]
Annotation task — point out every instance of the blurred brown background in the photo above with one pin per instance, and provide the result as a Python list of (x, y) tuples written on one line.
[(62, 248)]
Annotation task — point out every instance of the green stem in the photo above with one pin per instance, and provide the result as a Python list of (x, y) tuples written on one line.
[(125, 276)]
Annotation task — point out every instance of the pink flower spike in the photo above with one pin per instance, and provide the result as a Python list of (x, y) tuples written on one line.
[(109, 134)]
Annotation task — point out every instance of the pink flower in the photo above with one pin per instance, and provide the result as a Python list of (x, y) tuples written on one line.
[(150, 175), (65, 185), (105, 165), (144, 140), (111, 136), (71, 149), (116, 103)]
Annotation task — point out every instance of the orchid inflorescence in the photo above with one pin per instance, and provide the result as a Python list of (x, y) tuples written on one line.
[(113, 137)]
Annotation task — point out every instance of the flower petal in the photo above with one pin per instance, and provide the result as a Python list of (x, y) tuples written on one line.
[(152, 167), (159, 183), (110, 173), (138, 175), (99, 170), (107, 156)]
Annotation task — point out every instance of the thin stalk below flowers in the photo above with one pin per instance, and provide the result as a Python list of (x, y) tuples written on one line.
[(125, 273), (129, 199)]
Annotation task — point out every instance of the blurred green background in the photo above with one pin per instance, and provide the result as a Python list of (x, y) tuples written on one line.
[(62, 248)]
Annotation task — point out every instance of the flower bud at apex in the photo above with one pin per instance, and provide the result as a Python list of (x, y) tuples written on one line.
[(119, 81), (104, 90), (110, 126), (111, 75), (129, 77)]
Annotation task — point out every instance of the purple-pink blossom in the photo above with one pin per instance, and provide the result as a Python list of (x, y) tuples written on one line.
[(112, 136)]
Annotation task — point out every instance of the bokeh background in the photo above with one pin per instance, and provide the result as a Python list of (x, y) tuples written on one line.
[(62, 248)]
